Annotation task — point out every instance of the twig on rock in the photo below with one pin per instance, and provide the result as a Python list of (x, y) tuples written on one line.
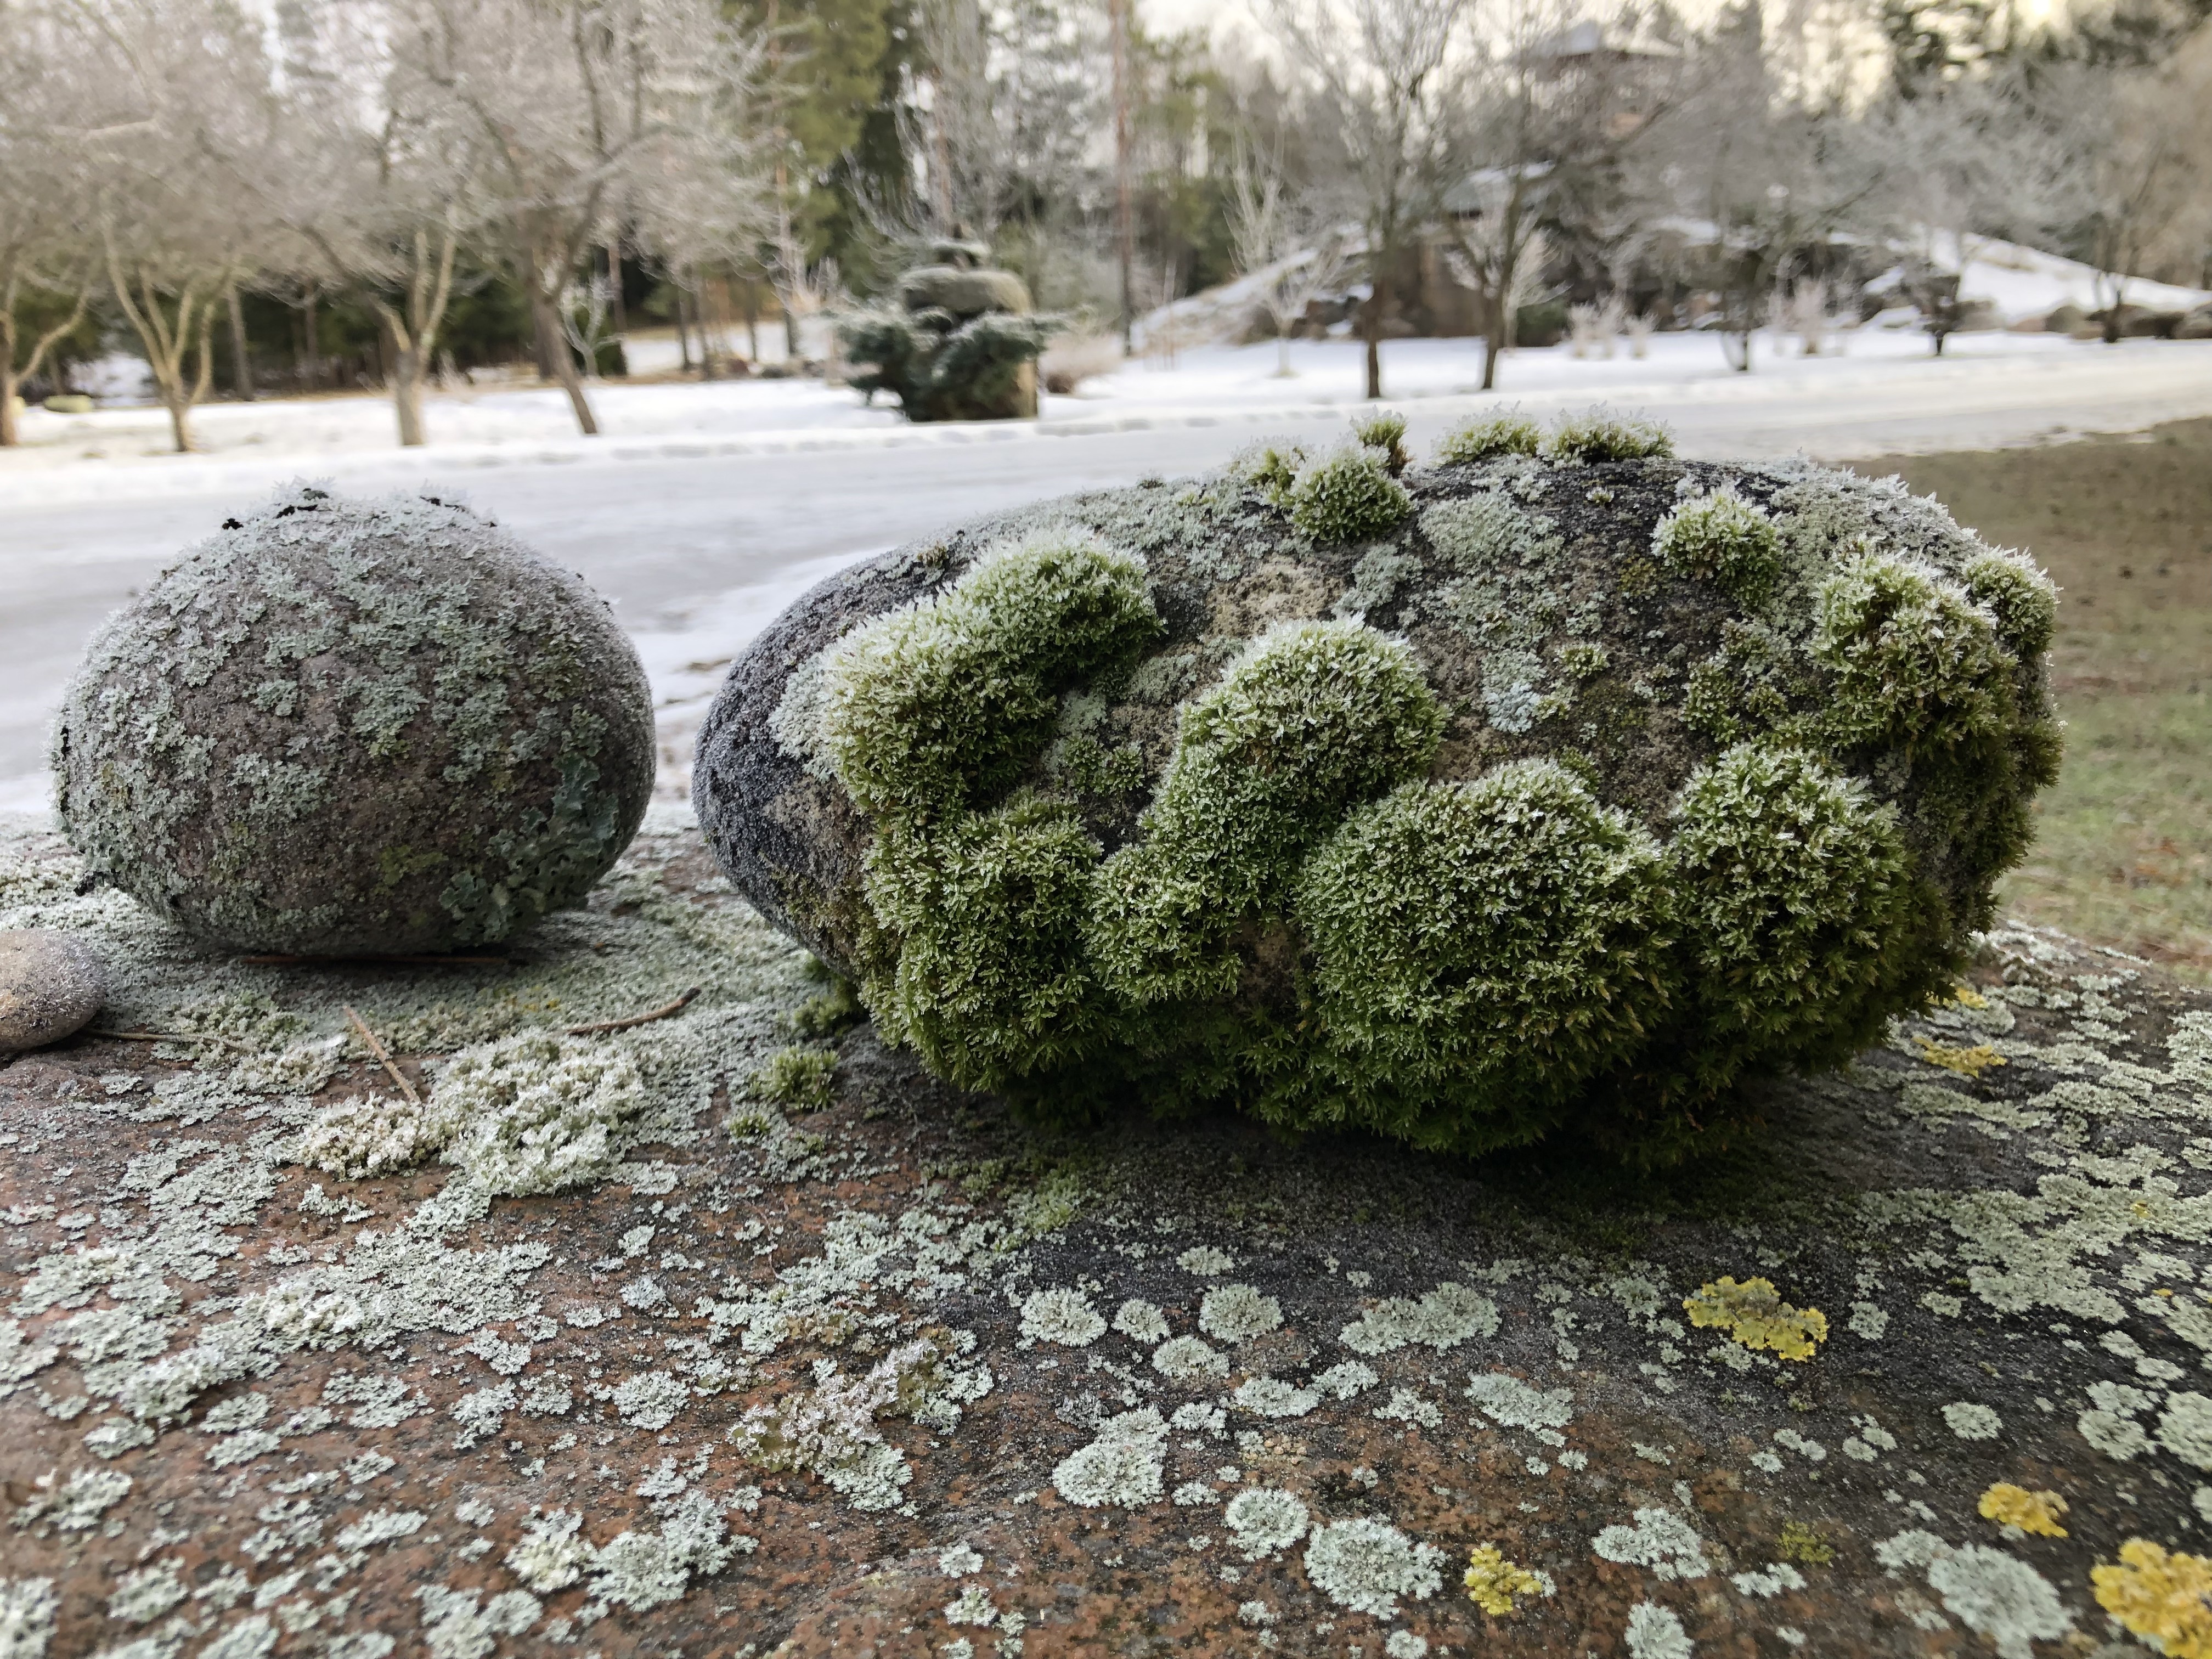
[(674, 1007), (382, 1053), (172, 1036), (374, 962)]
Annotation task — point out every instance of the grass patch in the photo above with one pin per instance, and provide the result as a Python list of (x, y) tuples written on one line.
[(2123, 853)]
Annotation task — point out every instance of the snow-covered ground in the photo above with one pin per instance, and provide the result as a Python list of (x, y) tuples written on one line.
[(704, 509)]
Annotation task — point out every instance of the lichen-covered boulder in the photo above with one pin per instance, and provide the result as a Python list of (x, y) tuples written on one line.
[(1559, 785), (356, 727), (50, 987)]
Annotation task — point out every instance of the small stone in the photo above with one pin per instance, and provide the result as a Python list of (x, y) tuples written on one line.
[(50, 986)]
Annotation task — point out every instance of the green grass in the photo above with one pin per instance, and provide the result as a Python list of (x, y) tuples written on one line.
[(2123, 846)]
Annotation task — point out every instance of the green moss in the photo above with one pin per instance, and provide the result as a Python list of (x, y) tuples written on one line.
[(1916, 662), (1316, 718), (1599, 435), (991, 985), (2020, 596), (1480, 950), (802, 1078), (829, 1009), (1268, 466), (1488, 436), (1750, 685), (1347, 495), (1383, 431), (1723, 539), (933, 706)]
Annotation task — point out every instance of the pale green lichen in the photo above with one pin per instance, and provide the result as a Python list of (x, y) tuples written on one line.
[(1488, 436)]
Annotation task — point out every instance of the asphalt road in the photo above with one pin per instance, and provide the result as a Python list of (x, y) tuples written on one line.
[(666, 537)]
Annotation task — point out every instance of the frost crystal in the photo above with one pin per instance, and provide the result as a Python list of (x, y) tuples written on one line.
[(1238, 1313), (1122, 1466), (1660, 1540), (1367, 1565), (1063, 1316), (1262, 1521)]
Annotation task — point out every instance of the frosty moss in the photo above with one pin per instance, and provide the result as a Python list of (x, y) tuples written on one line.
[(1533, 806)]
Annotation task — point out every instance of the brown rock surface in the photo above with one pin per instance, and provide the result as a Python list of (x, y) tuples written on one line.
[(356, 1416)]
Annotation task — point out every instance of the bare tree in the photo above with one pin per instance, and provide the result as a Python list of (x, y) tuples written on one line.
[(168, 88), (1383, 71), (47, 266), (1289, 251), (585, 110)]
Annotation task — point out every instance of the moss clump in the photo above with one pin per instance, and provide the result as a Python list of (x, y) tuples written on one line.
[(2020, 596), (1488, 437), (927, 708), (1724, 538), (1383, 432), (356, 727), (1269, 467), (1346, 496), (1554, 857), (802, 1078), (1480, 950), (1602, 436)]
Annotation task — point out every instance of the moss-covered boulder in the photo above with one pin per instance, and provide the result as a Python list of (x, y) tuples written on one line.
[(1562, 784), (346, 727)]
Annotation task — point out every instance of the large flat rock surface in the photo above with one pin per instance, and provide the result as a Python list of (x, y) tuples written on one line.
[(896, 1377)]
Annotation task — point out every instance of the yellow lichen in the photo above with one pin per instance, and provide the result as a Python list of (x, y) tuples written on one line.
[(1806, 1546), (1968, 997), (1967, 1062), (1493, 1581), (2164, 1597), (1756, 1317), (2031, 1511)]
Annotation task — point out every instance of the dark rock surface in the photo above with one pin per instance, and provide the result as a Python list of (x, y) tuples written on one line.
[(356, 728), (51, 987), (822, 1384)]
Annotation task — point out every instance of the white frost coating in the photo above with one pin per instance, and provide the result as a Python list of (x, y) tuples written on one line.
[(1778, 1576), (1187, 1360), (1971, 1420), (1238, 1313), (536, 1112), (1063, 1316), (1262, 1521), (1122, 1466), (1367, 1565), (650, 1399), (1270, 1396), (1445, 1317), (1141, 1321), (1660, 1540), (1654, 1632), (1512, 1404), (2184, 1428), (1205, 1261)]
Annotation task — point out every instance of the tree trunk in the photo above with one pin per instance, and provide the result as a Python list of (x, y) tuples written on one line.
[(9, 435), (1491, 347), (241, 366), (180, 417), (314, 369), (1283, 370), (682, 333), (407, 395), (548, 327), (1377, 302), (752, 318)]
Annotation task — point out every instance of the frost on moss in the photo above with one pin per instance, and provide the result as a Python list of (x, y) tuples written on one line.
[(1573, 852), (1488, 436), (931, 707), (1348, 495), (1723, 539), (1601, 436)]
